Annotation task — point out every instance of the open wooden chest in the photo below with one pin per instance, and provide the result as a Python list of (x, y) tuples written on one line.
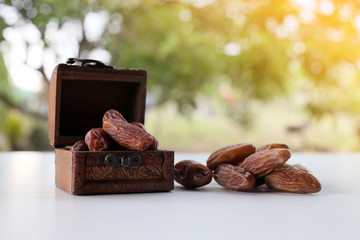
[(78, 98)]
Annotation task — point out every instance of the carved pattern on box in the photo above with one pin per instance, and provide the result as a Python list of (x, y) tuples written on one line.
[(101, 173), (91, 176)]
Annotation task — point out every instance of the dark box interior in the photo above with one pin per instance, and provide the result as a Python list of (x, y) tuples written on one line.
[(83, 104)]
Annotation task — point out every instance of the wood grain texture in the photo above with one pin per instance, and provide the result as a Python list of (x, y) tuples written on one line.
[(168, 167), (63, 169), (78, 171)]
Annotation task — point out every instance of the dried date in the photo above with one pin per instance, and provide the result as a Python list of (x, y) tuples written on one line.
[(154, 145), (80, 146), (113, 114), (97, 140), (234, 178), (292, 179), (272, 146), (127, 135), (140, 125), (263, 162), (233, 154), (301, 167), (192, 174)]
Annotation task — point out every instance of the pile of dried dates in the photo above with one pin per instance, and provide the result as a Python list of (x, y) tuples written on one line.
[(117, 134), (241, 167)]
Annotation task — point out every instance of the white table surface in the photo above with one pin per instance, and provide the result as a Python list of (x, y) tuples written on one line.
[(31, 207)]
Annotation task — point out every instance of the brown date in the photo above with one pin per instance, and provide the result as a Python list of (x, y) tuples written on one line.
[(272, 146), (127, 135), (292, 179), (140, 125), (130, 135), (97, 140), (234, 178), (192, 174), (154, 145), (233, 154), (80, 146), (263, 162), (113, 114), (301, 167)]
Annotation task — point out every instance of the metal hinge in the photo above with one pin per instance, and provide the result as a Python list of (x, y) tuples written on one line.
[(88, 63)]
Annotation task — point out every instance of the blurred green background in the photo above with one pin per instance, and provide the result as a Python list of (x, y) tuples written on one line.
[(219, 72)]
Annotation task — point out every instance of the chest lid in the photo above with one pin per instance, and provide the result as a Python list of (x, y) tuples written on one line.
[(80, 95)]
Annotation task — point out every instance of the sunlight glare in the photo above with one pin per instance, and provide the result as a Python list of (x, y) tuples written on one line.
[(30, 33), (232, 49), (185, 15), (271, 24), (307, 9), (326, 7), (309, 4), (334, 34), (94, 25), (290, 26), (64, 40), (100, 54), (199, 3), (290, 23), (115, 24), (299, 47), (9, 14), (25, 77), (35, 55), (346, 12)]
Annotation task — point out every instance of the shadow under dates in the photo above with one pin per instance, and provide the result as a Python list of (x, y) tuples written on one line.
[(214, 187)]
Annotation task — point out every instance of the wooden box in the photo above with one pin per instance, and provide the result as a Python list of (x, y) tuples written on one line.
[(78, 98)]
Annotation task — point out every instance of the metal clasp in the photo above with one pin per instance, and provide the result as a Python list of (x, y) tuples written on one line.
[(113, 160)]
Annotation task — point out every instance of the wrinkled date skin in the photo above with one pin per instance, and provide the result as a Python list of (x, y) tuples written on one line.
[(80, 146), (272, 146), (113, 114), (192, 174), (292, 179), (140, 125), (301, 167), (124, 133), (233, 154), (234, 178), (97, 140), (263, 162), (154, 145)]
